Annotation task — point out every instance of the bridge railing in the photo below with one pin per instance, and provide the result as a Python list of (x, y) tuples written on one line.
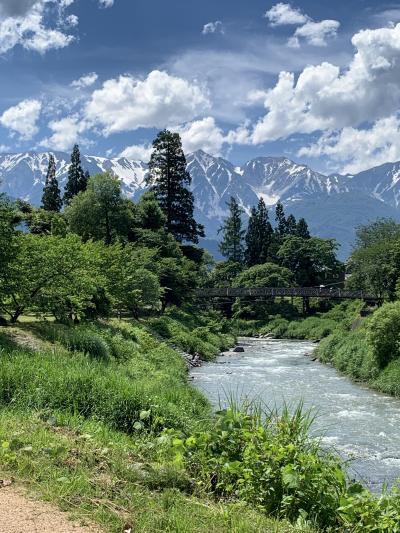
[(310, 292)]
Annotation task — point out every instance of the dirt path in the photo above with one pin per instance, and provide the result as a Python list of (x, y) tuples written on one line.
[(19, 514)]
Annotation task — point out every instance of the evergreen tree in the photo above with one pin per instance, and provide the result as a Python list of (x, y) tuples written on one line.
[(76, 181), (231, 245), (252, 253), (259, 235), (169, 180), (266, 231), (302, 229), (291, 225), (281, 227), (85, 180), (51, 198)]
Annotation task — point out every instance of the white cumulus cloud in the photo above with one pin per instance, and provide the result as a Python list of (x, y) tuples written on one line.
[(85, 81), (202, 134), (213, 27), (325, 98), (312, 32), (359, 149), (284, 14), (160, 100), (66, 132), (22, 118), (315, 33), (26, 23), (106, 3), (140, 152)]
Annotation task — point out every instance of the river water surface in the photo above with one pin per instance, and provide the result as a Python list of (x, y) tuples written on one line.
[(361, 425)]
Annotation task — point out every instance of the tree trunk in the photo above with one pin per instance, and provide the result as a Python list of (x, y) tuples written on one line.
[(16, 315)]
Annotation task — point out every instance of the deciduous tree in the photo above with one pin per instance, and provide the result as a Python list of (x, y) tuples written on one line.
[(100, 212)]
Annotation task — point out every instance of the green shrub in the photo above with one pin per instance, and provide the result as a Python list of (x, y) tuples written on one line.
[(361, 511), (202, 334), (383, 333), (350, 353), (87, 342), (121, 348), (388, 380), (161, 326), (328, 346), (268, 462)]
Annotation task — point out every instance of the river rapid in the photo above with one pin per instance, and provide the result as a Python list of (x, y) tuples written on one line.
[(361, 425)]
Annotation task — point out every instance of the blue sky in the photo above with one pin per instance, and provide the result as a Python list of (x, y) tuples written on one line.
[(318, 82)]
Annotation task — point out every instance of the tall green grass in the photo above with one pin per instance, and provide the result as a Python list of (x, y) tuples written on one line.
[(207, 335), (352, 352), (107, 477), (315, 327), (142, 378)]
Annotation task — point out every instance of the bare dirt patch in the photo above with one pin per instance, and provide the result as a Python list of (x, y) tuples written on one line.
[(20, 514)]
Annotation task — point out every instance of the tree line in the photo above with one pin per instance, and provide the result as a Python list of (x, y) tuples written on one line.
[(92, 251), (263, 248)]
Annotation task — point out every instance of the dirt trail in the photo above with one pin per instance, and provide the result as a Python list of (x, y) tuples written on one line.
[(19, 514)]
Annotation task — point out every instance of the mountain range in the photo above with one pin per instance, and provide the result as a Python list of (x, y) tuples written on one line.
[(332, 205)]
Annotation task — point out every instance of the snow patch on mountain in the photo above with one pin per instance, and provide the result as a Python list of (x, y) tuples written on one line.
[(215, 180)]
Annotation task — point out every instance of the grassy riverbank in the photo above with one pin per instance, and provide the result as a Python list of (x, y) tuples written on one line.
[(102, 420), (369, 352), (291, 325), (82, 410)]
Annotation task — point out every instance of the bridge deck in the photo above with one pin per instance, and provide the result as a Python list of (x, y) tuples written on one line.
[(310, 292)]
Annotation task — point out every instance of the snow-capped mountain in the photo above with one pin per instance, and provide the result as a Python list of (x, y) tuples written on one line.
[(333, 205), (382, 183), (275, 178), (23, 175)]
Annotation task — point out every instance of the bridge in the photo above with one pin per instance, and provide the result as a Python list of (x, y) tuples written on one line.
[(292, 292)]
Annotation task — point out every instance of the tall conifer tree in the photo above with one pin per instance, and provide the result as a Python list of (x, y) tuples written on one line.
[(266, 231), (302, 229), (252, 239), (232, 244), (281, 227), (291, 225), (51, 198), (169, 180), (258, 236), (76, 181), (85, 180)]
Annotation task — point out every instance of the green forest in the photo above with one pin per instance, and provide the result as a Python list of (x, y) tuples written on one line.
[(101, 318)]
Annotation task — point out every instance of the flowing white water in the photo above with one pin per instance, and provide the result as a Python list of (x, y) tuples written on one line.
[(361, 425)]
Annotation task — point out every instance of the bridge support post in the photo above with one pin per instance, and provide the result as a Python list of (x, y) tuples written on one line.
[(306, 305)]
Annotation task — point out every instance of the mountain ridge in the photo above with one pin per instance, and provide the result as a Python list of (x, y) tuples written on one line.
[(303, 191)]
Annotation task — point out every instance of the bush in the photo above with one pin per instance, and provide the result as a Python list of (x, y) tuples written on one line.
[(87, 342), (278, 327), (361, 511), (350, 353), (267, 461), (206, 335), (383, 333), (121, 348), (161, 326), (388, 380)]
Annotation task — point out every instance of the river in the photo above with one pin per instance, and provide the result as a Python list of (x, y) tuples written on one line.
[(361, 425)]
